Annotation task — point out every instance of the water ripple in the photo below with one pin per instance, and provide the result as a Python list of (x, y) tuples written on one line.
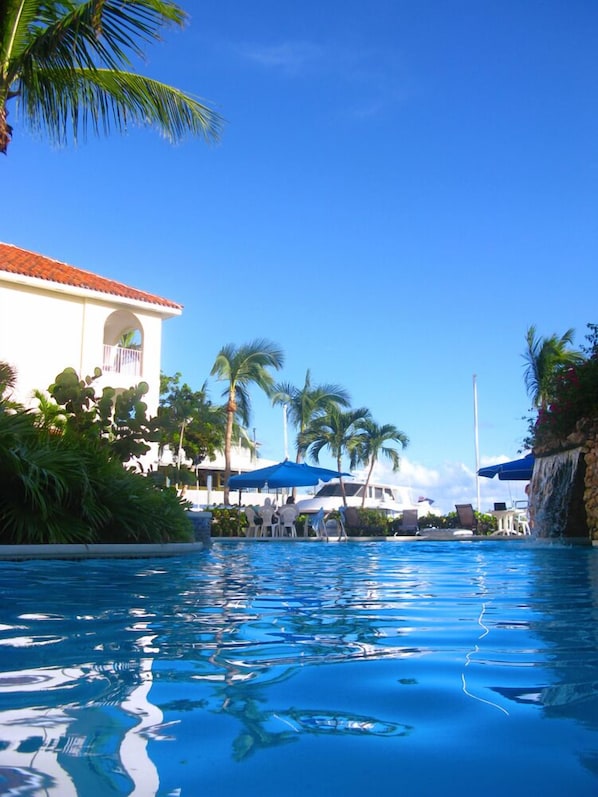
[(336, 652)]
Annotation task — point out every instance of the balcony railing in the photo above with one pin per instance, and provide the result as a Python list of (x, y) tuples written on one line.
[(122, 361)]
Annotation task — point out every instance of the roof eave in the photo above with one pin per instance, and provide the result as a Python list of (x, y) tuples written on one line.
[(167, 311)]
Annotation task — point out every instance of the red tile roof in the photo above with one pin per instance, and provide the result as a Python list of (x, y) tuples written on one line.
[(30, 264)]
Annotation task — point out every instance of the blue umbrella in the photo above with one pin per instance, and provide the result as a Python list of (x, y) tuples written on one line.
[(516, 470), (283, 474)]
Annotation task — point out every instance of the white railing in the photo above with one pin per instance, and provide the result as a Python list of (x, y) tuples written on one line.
[(122, 361)]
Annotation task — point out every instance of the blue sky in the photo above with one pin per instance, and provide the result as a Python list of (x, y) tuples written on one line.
[(401, 189)]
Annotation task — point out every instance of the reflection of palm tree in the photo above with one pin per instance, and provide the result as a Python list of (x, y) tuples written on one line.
[(67, 64), (329, 629), (309, 402), (242, 367), (339, 432), (372, 439), (545, 358)]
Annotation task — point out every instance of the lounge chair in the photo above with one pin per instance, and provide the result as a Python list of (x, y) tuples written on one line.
[(409, 524), (466, 517)]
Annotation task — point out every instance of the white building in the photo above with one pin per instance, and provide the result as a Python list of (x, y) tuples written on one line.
[(54, 316)]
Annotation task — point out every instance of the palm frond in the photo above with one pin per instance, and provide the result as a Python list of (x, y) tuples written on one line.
[(68, 64), (96, 33), (8, 378), (58, 101), (16, 19)]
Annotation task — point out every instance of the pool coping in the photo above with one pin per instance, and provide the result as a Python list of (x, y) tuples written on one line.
[(99, 551)]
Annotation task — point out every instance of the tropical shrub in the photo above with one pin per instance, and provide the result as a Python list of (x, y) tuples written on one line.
[(59, 488), (118, 420), (45, 491), (575, 399), (138, 512), (372, 523), (486, 523), (430, 521), (572, 401), (227, 522)]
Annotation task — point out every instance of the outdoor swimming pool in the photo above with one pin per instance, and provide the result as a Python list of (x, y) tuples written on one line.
[(303, 669)]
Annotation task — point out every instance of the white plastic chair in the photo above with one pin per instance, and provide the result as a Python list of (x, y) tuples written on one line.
[(252, 528), (287, 515), (522, 524), (269, 522)]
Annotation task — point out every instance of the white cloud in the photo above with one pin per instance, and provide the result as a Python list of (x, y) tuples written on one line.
[(376, 80), (290, 57)]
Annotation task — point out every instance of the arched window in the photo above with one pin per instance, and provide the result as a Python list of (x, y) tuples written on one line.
[(123, 344)]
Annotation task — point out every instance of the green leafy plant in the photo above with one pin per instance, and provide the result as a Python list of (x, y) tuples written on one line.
[(118, 420), (575, 399), (69, 488), (227, 522)]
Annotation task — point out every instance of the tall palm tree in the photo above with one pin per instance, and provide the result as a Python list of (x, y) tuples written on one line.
[(339, 432), (66, 63), (545, 358), (371, 444), (242, 367), (307, 403)]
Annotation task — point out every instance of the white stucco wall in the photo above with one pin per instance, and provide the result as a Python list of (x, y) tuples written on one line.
[(43, 331), (40, 335)]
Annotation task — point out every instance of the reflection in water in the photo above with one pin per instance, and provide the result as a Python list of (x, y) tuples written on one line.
[(259, 668)]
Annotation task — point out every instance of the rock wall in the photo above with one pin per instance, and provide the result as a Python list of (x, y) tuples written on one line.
[(590, 496), (582, 512)]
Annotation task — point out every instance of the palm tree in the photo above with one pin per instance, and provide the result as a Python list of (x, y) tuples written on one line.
[(131, 339), (8, 379), (339, 432), (305, 404), (545, 358), (67, 65), (372, 439), (242, 367), (48, 414)]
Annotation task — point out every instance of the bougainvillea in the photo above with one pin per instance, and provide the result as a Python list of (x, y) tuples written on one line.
[(575, 400)]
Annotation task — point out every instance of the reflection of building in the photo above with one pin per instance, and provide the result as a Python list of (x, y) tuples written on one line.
[(54, 316), (93, 746)]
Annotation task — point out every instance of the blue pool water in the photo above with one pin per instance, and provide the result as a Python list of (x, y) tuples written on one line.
[(303, 669)]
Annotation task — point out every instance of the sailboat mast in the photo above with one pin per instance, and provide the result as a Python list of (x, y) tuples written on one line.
[(476, 438)]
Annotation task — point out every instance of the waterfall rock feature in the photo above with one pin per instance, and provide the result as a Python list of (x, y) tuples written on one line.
[(557, 505)]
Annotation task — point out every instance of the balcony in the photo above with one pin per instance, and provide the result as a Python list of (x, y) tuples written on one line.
[(118, 360)]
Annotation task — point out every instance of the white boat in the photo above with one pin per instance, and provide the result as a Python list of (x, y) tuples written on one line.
[(388, 498)]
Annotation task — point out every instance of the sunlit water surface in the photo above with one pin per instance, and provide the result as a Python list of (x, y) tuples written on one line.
[(303, 669)]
